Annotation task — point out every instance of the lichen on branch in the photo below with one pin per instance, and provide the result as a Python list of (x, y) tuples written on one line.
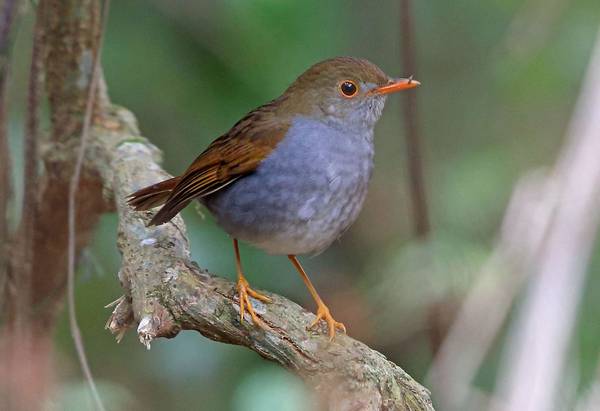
[(165, 292)]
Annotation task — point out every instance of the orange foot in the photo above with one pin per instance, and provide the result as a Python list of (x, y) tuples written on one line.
[(244, 294), (324, 314)]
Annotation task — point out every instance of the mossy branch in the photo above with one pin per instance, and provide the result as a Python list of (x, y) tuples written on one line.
[(166, 292)]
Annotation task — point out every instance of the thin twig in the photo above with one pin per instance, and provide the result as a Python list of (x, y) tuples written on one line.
[(413, 139), (22, 246), (6, 27), (5, 194), (23, 270), (74, 183), (414, 161), (7, 18)]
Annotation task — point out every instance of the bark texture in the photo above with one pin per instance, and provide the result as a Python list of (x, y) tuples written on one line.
[(68, 32), (166, 292)]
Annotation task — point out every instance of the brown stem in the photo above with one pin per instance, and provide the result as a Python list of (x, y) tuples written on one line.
[(23, 247), (413, 138), (69, 33), (5, 195), (7, 19), (72, 209), (64, 42)]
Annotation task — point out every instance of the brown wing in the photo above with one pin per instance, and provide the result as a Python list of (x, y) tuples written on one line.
[(226, 159), (152, 196)]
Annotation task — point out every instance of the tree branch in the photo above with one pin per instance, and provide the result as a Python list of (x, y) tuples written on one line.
[(166, 292), (72, 207), (7, 19), (22, 248), (414, 157), (69, 36)]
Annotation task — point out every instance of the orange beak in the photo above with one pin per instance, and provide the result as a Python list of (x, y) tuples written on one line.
[(397, 85)]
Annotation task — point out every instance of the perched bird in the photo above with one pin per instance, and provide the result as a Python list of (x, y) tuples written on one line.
[(291, 175)]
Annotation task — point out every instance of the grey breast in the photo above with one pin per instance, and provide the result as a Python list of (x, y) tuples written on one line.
[(304, 195)]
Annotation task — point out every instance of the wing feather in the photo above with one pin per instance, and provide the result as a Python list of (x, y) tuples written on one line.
[(228, 158)]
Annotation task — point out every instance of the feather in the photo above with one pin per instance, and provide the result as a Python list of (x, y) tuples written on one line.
[(152, 196), (228, 158)]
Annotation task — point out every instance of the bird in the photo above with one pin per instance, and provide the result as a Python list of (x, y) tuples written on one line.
[(291, 176)]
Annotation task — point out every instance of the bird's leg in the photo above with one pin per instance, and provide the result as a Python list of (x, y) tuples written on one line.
[(322, 310), (244, 291)]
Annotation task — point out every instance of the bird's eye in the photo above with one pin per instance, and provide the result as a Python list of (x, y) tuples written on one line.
[(348, 88)]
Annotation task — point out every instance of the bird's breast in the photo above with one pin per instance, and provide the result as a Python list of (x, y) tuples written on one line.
[(304, 194)]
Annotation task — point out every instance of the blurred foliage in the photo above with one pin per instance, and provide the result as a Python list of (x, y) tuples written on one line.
[(488, 113)]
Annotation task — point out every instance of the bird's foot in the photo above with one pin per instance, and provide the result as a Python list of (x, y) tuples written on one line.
[(244, 294), (324, 314)]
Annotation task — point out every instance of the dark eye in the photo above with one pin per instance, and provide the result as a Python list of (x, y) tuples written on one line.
[(348, 88)]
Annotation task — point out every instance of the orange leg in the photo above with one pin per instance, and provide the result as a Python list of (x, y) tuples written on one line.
[(244, 291), (322, 310)]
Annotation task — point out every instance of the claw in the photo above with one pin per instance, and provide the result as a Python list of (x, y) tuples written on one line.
[(244, 294), (324, 314), (258, 296)]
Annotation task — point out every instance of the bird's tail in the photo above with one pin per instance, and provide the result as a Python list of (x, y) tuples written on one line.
[(152, 196)]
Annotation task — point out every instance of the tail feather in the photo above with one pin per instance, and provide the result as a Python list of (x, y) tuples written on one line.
[(167, 212), (152, 196)]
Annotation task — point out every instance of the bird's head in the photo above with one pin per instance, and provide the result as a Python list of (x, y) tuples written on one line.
[(344, 91)]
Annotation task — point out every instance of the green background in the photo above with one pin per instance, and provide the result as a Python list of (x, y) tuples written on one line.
[(496, 98)]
